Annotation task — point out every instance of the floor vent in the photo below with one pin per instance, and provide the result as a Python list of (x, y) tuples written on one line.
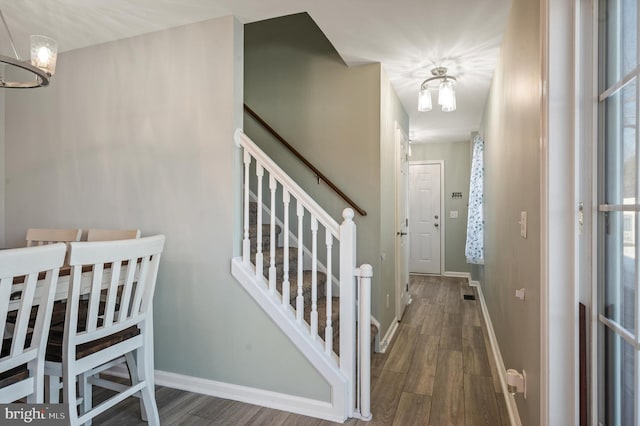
[(469, 297)]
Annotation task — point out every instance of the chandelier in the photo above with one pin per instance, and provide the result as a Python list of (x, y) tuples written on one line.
[(44, 52), (446, 91)]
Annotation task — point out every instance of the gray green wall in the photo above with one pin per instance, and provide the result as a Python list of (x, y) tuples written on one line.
[(332, 114), (139, 133), (392, 116), (457, 171), (511, 130)]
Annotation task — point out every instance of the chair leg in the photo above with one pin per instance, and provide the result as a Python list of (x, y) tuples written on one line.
[(145, 372), (134, 374), (149, 401), (86, 394), (54, 389), (69, 397)]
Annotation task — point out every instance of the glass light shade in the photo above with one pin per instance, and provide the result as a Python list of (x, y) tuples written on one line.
[(447, 96), (44, 53), (424, 100)]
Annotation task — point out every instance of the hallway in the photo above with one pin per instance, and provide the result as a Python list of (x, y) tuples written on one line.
[(437, 371)]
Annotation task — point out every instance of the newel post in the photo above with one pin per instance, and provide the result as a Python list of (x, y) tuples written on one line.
[(348, 305), (366, 272)]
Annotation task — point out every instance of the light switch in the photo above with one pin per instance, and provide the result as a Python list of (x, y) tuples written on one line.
[(523, 224), (453, 214)]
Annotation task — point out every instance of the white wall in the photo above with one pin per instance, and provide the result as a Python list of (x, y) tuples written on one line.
[(139, 133)]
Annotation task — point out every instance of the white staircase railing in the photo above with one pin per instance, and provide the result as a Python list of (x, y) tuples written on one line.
[(312, 226)]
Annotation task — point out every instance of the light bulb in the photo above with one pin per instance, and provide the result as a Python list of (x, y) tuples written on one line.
[(44, 55), (447, 96), (424, 100), (44, 52)]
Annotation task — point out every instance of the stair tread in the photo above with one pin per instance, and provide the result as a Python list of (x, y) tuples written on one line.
[(321, 304), (266, 237), (266, 230), (335, 320), (307, 277), (279, 258)]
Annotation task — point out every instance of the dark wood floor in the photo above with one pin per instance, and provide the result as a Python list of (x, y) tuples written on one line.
[(438, 371)]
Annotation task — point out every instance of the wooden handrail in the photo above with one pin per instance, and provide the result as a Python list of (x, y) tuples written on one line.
[(306, 162)]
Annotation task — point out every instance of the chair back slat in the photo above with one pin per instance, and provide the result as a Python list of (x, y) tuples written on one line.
[(24, 314), (94, 296), (112, 293), (24, 331), (140, 285), (129, 282), (152, 275), (6, 284)]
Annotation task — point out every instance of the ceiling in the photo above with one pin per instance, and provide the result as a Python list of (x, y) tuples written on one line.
[(409, 37)]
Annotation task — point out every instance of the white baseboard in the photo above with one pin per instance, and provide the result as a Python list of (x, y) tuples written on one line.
[(388, 337), (512, 408), (453, 274), (248, 395)]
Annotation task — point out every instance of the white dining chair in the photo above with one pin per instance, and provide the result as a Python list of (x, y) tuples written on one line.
[(98, 334), (25, 315), (43, 236), (112, 234)]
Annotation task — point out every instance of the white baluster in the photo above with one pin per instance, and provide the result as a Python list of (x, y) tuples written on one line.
[(273, 185), (285, 283), (314, 278), (300, 298), (259, 174), (348, 304), (246, 244), (366, 272), (328, 331)]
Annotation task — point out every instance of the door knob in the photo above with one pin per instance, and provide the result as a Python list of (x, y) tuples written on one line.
[(401, 233), (436, 216), (436, 225)]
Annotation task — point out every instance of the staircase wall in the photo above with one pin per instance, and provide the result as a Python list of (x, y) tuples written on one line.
[(336, 117), (139, 133)]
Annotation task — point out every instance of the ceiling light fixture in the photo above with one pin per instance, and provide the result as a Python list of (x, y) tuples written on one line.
[(44, 53), (446, 91)]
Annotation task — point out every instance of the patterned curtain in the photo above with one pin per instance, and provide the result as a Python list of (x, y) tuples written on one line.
[(474, 248)]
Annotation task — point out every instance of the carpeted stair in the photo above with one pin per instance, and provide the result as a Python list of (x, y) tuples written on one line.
[(293, 278)]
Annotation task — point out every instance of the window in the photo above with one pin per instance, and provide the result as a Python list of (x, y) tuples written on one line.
[(619, 189)]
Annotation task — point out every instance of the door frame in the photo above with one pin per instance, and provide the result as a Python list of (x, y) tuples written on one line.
[(442, 209), (403, 298)]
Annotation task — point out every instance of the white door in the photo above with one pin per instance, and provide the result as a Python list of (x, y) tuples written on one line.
[(425, 218), (402, 223)]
